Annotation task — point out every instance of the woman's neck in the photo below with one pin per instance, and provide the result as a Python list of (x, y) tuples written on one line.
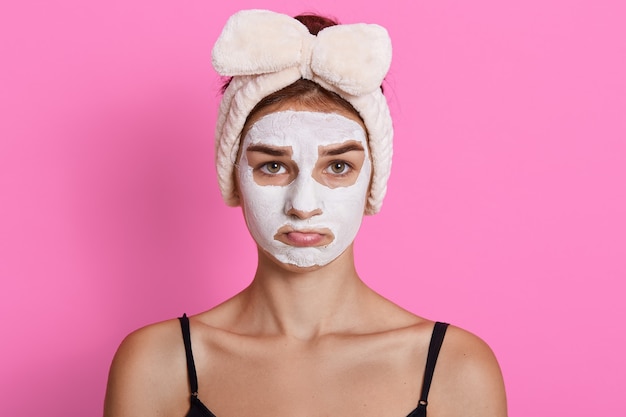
[(303, 304)]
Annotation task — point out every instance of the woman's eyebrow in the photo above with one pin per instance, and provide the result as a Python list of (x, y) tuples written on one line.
[(270, 150), (348, 147)]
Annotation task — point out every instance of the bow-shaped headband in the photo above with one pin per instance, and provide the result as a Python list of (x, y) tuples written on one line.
[(353, 58), (264, 52)]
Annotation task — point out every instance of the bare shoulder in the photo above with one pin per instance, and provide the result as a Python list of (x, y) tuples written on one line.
[(467, 381), (148, 374)]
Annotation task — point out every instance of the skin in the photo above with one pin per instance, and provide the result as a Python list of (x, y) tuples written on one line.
[(304, 342)]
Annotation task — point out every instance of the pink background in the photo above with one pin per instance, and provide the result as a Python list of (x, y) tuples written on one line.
[(505, 214)]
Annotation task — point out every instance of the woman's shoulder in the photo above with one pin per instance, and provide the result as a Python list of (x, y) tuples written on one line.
[(467, 380), (469, 356), (148, 375), (150, 343)]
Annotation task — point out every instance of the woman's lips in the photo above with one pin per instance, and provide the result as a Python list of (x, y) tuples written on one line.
[(304, 238)]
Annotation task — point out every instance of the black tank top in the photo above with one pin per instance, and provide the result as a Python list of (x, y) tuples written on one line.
[(197, 409)]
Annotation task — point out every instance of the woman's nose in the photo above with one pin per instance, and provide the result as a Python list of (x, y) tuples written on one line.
[(302, 199)]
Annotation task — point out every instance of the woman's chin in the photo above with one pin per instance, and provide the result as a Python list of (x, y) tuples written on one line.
[(295, 264)]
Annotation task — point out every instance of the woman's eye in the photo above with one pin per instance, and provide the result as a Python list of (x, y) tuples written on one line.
[(339, 167), (272, 168)]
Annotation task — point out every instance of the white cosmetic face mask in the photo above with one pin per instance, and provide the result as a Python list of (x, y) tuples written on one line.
[(337, 212)]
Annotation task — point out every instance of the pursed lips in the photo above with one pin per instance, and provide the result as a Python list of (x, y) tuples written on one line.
[(305, 237)]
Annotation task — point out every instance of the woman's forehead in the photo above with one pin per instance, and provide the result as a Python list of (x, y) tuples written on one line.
[(297, 106), (304, 128)]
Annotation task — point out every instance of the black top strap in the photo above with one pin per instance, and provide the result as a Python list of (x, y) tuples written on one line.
[(191, 366), (439, 331)]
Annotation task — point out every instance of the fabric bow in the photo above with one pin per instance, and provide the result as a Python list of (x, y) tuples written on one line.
[(353, 58)]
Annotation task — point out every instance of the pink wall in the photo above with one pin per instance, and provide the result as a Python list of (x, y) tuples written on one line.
[(505, 215)]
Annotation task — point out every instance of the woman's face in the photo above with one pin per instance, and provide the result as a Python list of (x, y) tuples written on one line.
[(303, 180)]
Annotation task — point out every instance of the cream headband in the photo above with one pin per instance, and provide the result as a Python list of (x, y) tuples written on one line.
[(265, 51)]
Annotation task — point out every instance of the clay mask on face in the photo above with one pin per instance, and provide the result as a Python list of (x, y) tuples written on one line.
[(307, 221)]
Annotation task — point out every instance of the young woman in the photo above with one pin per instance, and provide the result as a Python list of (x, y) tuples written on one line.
[(304, 146)]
